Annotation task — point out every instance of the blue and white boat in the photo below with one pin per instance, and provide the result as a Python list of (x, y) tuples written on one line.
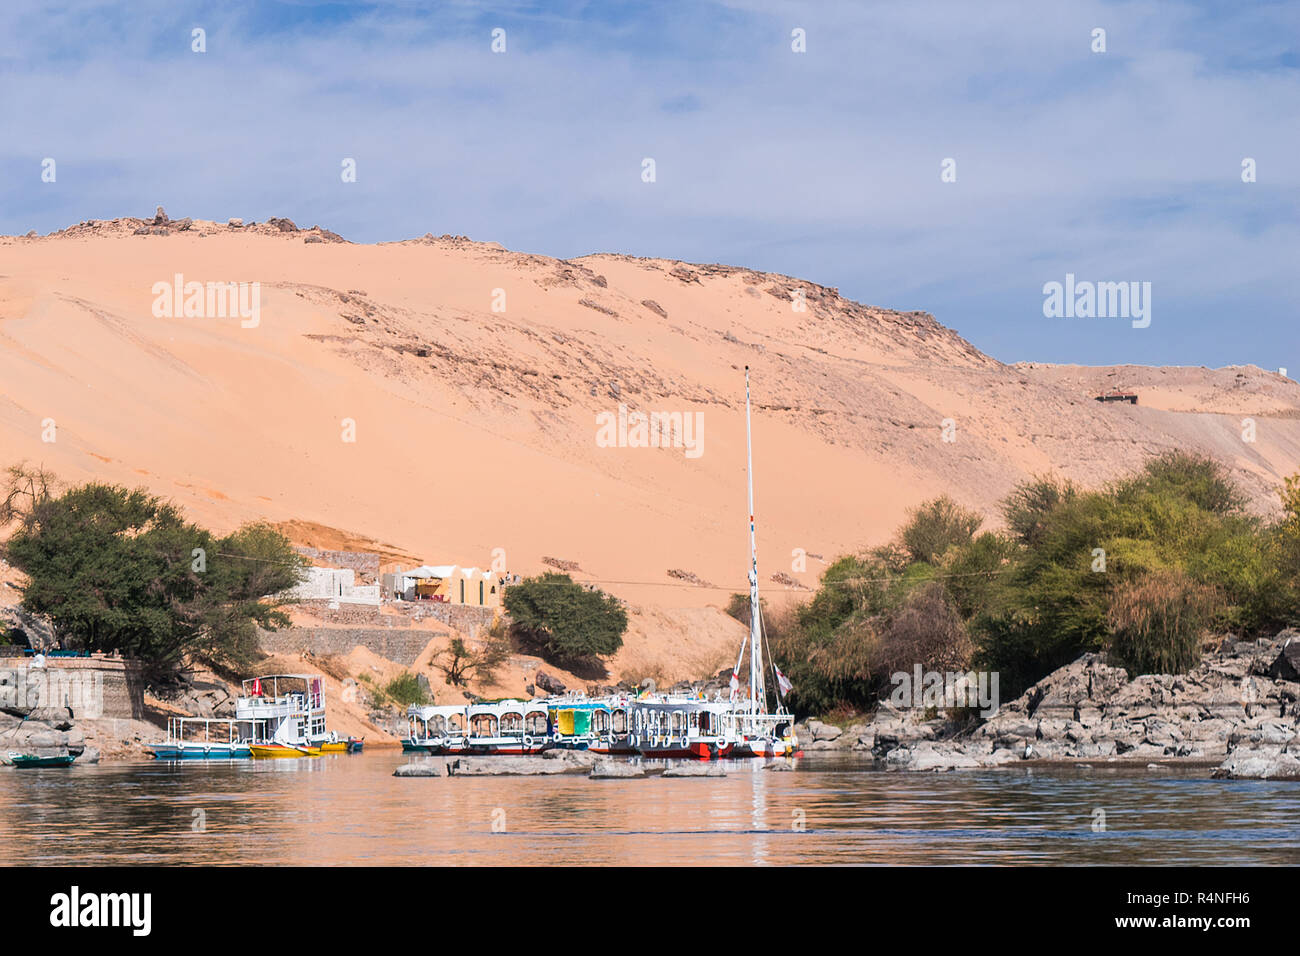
[(208, 738)]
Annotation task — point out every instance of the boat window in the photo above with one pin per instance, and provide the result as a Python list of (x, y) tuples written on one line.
[(483, 725), (512, 723), (437, 725), (620, 721), (601, 722), (535, 723), (456, 723)]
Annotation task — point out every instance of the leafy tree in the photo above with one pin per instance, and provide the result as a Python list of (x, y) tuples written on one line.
[(936, 526), (120, 569), (1140, 568), (564, 619)]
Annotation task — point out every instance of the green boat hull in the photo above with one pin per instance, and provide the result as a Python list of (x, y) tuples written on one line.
[(27, 760)]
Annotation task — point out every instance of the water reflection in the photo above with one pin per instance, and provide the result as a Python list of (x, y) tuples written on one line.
[(349, 809)]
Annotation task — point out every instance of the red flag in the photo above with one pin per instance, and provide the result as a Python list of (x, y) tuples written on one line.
[(257, 687)]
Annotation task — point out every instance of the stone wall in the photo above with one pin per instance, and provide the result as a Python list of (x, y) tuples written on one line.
[(363, 562), (402, 645), (462, 617), (93, 687)]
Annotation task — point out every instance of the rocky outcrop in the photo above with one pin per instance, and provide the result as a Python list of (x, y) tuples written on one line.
[(205, 700), (1260, 764), (615, 770), (1241, 702), (422, 768), (710, 769), (495, 766), (545, 682)]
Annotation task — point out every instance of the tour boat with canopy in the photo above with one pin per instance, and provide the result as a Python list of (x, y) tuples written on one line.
[(489, 727), (208, 738)]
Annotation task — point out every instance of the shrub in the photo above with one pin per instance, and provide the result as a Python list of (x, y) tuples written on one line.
[(1157, 622), (926, 630), (1029, 507), (936, 526), (405, 690), (458, 661), (1191, 477)]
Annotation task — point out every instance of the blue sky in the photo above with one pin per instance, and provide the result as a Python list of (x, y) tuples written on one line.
[(1115, 166)]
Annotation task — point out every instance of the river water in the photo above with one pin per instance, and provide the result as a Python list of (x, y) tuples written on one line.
[(349, 809)]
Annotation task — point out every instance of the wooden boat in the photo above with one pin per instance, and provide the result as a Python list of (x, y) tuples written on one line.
[(355, 744), (32, 760), (267, 751)]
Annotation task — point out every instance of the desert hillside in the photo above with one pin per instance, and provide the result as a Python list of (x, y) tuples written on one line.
[(474, 376)]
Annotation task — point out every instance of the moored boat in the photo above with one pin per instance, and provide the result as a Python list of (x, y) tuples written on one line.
[(436, 729), (507, 726), (207, 738), (30, 761), (273, 750), (290, 709), (752, 729)]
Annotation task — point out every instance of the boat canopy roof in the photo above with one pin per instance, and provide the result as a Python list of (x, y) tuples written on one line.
[(265, 677), (425, 711)]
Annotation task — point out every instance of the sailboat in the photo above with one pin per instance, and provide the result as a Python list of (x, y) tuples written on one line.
[(754, 730)]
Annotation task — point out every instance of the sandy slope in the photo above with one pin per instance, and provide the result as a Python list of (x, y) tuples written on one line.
[(477, 429)]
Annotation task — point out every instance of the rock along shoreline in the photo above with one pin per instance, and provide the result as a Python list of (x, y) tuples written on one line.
[(1238, 711)]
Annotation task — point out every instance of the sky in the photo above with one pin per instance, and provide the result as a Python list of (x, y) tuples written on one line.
[(827, 164)]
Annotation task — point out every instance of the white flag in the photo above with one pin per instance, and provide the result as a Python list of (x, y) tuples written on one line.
[(782, 681)]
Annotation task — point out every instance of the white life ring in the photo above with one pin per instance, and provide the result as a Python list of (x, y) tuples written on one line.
[(685, 743), (528, 741)]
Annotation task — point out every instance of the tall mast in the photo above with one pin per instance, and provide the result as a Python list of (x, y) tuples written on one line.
[(757, 689)]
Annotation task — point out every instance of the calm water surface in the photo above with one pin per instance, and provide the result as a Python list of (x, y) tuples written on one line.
[(343, 809)]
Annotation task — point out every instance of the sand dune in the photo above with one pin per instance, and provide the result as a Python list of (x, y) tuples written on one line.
[(476, 429)]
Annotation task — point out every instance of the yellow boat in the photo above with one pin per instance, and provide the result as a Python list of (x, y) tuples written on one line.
[(334, 747), (264, 751)]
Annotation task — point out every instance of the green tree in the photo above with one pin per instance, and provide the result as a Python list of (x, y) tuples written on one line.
[(120, 569), (565, 620)]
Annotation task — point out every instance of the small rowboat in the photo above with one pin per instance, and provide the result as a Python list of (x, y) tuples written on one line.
[(263, 751), (334, 747), (31, 760), (355, 744)]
